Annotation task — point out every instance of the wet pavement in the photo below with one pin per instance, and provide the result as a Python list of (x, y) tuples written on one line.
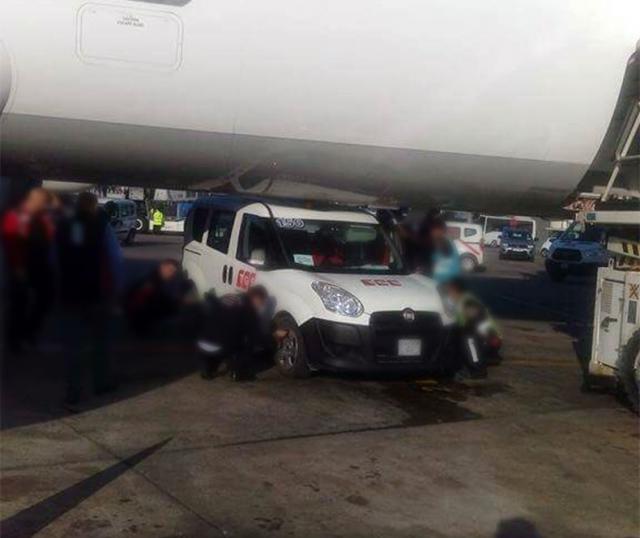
[(522, 454)]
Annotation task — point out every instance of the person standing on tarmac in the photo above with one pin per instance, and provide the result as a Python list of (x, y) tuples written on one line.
[(90, 270), (439, 258), (158, 220), (27, 238)]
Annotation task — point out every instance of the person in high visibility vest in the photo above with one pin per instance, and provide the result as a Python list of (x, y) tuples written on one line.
[(158, 220)]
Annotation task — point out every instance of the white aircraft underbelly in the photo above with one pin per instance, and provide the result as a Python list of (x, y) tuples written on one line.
[(494, 105)]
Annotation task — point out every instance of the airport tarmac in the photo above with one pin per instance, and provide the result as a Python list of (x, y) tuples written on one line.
[(522, 454)]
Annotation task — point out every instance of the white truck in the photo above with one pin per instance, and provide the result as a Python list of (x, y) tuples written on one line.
[(341, 288)]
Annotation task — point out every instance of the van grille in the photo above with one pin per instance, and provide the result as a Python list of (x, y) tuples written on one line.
[(388, 327)]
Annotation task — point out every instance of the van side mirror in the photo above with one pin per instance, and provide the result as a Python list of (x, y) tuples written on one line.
[(257, 257)]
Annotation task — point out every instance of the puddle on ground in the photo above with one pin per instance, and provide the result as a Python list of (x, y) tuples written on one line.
[(436, 402)]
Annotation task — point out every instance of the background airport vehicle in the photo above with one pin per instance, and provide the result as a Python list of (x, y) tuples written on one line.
[(340, 286), (467, 238), (142, 216), (516, 243), (356, 123), (616, 324), (546, 245), (122, 216), (580, 250), (616, 318), (493, 225)]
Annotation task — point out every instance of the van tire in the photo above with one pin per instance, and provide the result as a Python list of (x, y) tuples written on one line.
[(469, 263), (141, 225), (291, 355), (544, 252), (628, 372)]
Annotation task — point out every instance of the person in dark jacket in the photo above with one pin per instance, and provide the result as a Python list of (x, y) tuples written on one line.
[(238, 327), (90, 273), (158, 299)]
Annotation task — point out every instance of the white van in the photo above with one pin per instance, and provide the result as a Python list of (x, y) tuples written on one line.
[(340, 286), (467, 238), (123, 215)]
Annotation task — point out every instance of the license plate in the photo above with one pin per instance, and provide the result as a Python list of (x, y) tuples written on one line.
[(409, 347), (564, 266)]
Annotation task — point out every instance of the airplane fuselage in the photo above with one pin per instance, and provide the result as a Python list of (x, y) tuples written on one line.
[(498, 105)]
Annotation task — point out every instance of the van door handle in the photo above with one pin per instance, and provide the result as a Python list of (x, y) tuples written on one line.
[(224, 274)]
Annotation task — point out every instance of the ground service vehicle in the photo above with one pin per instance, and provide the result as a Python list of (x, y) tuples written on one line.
[(340, 286), (615, 349), (516, 243), (492, 227), (122, 217), (467, 238), (580, 250)]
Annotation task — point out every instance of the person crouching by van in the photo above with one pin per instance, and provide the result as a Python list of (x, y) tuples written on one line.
[(157, 300), (238, 328), (479, 337)]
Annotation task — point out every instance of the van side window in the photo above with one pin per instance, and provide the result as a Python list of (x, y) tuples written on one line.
[(468, 232), (258, 244), (453, 232), (220, 230), (199, 223)]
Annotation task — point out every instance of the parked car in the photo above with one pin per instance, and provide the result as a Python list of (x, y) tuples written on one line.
[(467, 239), (142, 217), (122, 217), (544, 249), (516, 243)]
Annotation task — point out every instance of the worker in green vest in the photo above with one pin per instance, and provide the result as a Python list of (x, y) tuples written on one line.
[(158, 220)]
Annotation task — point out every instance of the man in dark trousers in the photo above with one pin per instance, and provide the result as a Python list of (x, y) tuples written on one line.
[(90, 275), (237, 328)]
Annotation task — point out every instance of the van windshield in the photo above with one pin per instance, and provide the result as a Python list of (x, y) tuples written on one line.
[(338, 247), (578, 232), (517, 234)]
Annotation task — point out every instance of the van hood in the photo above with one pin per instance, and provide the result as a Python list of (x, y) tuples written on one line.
[(578, 245), (388, 292)]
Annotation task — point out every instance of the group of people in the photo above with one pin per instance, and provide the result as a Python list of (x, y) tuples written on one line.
[(61, 255)]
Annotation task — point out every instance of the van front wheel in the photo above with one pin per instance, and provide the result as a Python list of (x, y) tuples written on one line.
[(291, 356)]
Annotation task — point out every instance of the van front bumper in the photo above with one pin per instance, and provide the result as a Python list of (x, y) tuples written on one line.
[(373, 348)]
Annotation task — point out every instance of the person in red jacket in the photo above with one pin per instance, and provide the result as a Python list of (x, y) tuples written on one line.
[(27, 233)]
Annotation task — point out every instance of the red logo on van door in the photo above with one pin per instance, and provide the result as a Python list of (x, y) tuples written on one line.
[(381, 282), (245, 279)]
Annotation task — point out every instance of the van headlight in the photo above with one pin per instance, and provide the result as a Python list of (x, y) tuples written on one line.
[(335, 299)]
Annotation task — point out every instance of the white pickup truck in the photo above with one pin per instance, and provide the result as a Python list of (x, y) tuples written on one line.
[(340, 286)]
